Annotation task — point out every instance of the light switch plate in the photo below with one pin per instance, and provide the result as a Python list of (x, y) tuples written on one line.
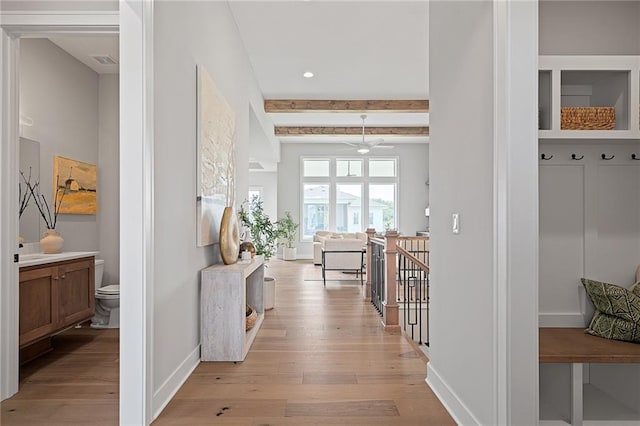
[(455, 223)]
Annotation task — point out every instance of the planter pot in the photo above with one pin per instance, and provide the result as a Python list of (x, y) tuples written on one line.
[(289, 253), (51, 242), (269, 293)]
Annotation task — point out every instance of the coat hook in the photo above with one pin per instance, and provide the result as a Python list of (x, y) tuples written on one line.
[(574, 157), (544, 157), (604, 157), (634, 157)]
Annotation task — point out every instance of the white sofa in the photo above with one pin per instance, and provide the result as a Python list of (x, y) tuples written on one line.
[(320, 237)]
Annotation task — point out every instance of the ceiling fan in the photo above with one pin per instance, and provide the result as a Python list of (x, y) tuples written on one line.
[(364, 147)]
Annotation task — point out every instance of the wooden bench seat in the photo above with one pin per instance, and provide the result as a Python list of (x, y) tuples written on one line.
[(574, 346)]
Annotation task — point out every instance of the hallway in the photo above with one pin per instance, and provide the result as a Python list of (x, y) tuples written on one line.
[(321, 357)]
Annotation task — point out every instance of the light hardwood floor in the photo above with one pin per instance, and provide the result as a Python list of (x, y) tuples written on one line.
[(320, 358)]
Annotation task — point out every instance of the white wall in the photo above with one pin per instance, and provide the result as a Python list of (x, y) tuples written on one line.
[(413, 196), (187, 34), (483, 166), (589, 28), (268, 181), (109, 176), (461, 170), (60, 95)]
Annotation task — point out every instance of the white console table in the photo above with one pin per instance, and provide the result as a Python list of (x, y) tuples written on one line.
[(226, 290)]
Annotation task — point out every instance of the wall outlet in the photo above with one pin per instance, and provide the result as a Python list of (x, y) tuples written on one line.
[(455, 223)]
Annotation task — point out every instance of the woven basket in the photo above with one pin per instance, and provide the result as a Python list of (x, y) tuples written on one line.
[(587, 118), (252, 316)]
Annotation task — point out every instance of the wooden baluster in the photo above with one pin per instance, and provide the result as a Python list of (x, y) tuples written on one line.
[(390, 318)]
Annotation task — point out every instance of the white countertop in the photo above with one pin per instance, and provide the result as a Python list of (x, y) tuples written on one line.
[(32, 259)]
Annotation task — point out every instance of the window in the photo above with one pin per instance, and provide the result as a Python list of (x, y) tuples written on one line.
[(348, 204), (382, 168), (340, 194), (315, 209), (254, 191), (348, 168), (315, 168), (382, 206)]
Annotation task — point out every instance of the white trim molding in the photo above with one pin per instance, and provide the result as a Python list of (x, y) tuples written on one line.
[(453, 404), (562, 319), (168, 389), (136, 195), (8, 216), (515, 188)]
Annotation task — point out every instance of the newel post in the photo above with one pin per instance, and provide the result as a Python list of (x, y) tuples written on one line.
[(371, 232), (390, 318)]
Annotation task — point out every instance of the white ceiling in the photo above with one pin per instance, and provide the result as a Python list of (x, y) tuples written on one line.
[(356, 49), (82, 48)]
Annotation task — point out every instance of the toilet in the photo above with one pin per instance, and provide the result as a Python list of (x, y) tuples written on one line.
[(107, 313)]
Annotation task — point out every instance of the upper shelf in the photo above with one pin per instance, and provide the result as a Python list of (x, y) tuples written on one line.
[(589, 81)]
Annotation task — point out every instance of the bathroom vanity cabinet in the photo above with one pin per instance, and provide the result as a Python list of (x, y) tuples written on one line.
[(53, 297)]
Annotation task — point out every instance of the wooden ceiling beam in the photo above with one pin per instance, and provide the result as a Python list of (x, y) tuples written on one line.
[(350, 131), (355, 106)]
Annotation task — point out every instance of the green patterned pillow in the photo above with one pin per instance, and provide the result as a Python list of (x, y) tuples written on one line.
[(635, 289), (611, 327), (613, 300)]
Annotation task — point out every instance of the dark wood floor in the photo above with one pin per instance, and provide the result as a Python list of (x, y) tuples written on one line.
[(320, 358)]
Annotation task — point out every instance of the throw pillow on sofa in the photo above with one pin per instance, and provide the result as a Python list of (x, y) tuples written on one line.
[(635, 289), (612, 327)]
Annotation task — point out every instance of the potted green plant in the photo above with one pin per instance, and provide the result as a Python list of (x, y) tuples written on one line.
[(287, 229), (264, 232), (264, 236)]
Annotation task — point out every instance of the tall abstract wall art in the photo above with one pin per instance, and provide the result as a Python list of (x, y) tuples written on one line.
[(215, 158)]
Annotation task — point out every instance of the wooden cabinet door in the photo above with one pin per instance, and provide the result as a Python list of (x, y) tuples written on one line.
[(38, 309), (76, 291)]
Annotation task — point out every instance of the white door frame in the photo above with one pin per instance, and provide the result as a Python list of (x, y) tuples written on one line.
[(133, 24)]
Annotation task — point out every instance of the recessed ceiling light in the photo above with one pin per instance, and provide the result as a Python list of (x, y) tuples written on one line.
[(307, 74)]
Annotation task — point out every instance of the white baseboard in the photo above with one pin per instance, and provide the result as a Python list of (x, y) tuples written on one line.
[(168, 389), (568, 319), (456, 408)]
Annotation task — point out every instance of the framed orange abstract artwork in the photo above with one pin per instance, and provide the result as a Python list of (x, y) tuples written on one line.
[(75, 186)]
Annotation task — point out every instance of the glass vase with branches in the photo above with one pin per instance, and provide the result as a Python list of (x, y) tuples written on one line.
[(24, 194)]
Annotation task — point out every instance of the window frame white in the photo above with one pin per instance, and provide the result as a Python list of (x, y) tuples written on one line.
[(333, 180)]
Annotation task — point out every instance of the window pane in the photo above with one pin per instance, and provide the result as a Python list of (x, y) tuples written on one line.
[(382, 168), (315, 209), (348, 208), (382, 202), (316, 168), (350, 168), (254, 193)]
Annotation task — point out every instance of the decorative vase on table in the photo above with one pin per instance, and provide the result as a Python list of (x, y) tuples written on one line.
[(51, 242)]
